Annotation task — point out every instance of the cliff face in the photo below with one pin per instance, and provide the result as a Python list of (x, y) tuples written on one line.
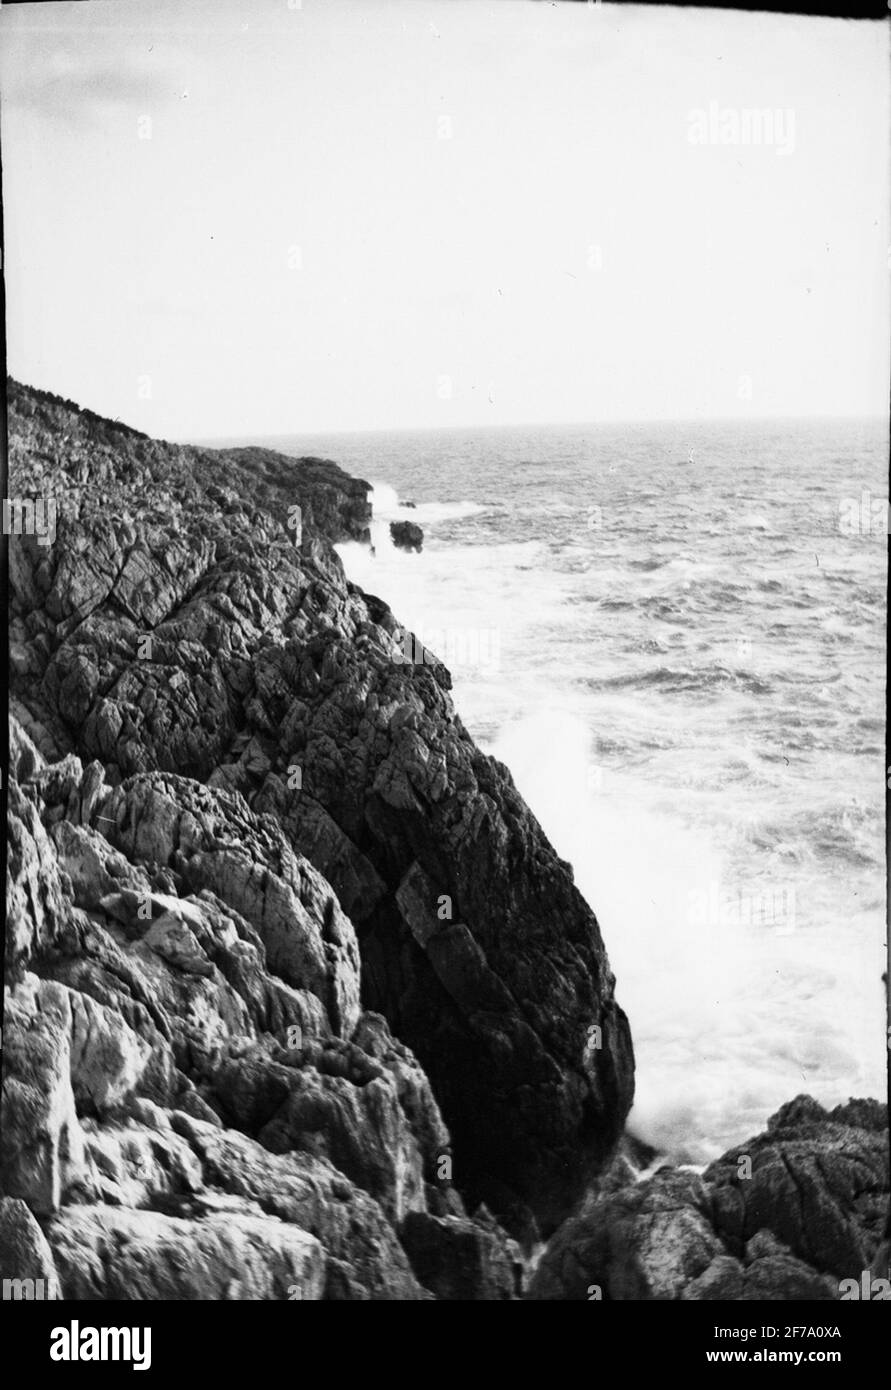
[(292, 966)]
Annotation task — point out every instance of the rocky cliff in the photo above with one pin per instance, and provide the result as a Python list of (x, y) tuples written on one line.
[(301, 1002)]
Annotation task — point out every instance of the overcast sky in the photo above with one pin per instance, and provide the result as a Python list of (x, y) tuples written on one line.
[(246, 218)]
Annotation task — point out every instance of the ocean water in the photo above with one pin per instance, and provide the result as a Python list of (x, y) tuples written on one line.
[(673, 635)]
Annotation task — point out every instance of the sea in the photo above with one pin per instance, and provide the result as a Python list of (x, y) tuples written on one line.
[(673, 634)]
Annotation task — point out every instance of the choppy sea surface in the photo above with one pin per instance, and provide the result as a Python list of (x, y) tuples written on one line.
[(673, 635)]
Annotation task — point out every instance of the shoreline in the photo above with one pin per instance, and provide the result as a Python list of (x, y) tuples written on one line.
[(236, 814)]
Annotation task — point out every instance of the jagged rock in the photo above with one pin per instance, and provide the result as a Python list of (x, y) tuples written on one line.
[(42, 1146), (183, 630), (811, 1213), (407, 535), (461, 1259), (137, 1164), (110, 1252), (203, 967), (766, 1268), (353, 877), (35, 908), (95, 870), (364, 1131), (819, 1183), (24, 757), (25, 1256), (282, 940), (106, 1057), (366, 1260)]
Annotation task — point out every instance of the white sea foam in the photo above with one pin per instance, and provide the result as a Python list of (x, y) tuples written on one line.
[(386, 506), (726, 1014), (742, 775)]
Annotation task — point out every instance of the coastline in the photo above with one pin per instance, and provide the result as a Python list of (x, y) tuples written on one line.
[(238, 812)]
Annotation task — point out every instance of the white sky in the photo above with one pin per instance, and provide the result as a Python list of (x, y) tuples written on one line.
[(424, 257)]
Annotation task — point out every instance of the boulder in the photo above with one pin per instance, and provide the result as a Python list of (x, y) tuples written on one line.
[(787, 1215), (407, 535)]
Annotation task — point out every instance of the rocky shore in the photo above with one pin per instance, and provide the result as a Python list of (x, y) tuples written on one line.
[(301, 1003), (788, 1215)]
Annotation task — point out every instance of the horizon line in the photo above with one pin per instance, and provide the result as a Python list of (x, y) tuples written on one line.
[(211, 441), (219, 440)]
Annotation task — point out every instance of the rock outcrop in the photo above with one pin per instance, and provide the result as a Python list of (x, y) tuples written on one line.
[(788, 1216), (407, 535), (295, 980)]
